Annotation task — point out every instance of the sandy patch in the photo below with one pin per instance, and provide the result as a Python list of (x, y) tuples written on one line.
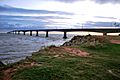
[(115, 41), (76, 52)]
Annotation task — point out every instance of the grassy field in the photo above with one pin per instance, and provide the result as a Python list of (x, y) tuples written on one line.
[(56, 64)]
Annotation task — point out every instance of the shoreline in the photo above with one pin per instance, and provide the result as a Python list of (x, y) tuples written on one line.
[(19, 46), (30, 62)]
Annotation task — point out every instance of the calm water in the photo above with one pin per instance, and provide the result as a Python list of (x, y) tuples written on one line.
[(16, 47)]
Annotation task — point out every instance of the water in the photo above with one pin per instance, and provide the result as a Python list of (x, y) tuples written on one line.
[(16, 47)]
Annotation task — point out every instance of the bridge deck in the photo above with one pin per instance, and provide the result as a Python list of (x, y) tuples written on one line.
[(108, 30), (104, 31)]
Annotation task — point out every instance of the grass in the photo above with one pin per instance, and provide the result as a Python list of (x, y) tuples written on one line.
[(68, 67), (1, 74)]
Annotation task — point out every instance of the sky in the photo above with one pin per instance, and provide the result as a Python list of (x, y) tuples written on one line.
[(61, 13)]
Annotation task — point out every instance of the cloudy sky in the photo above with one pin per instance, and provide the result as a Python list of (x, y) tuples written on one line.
[(60, 13)]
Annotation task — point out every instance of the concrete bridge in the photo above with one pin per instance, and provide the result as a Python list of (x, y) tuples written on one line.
[(103, 30)]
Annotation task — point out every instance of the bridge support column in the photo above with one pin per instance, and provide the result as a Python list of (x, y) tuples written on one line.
[(65, 35), (23, 32), (36, 33), (46, 33), (105, 34), (30, 33)]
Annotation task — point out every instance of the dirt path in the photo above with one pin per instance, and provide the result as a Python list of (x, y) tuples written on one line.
[(8, 73), (115, 41), (76, 51)]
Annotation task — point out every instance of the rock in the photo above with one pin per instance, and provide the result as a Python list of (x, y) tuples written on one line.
[(86, 41), (1, 63), (56, 56)]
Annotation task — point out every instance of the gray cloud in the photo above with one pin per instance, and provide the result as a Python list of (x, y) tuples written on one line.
[(107, 1), (97, 1), (68, 1), (9, 9), (98, 24), (105, 17)]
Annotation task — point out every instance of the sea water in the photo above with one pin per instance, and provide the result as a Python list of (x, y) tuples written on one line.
[(14, 48)]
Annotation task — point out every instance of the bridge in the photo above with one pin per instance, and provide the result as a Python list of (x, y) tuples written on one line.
[(103, 30)]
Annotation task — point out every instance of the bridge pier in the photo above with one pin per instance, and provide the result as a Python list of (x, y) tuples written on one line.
[(23, 32), (30, 33), (65, 35), (46, 33), (36, 33), (105, 34)]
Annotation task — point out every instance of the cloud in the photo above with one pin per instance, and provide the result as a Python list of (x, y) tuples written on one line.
[(68, 1), (97, 1), (99, 24), (105, 17), (9, 9), (107, 1), (10, 17)]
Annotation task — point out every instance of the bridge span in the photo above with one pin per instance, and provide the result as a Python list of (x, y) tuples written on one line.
[(103, 30)]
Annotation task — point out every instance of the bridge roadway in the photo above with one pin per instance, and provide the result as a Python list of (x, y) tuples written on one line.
[(100, 30)]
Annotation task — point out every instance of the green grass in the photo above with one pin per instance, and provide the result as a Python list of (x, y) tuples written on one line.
[(1, 74), (68, 67)]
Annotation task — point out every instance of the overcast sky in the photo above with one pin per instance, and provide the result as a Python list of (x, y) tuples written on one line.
[(83, 10)]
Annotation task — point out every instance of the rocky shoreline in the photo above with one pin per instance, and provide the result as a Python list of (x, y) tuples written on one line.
[(53, 52)]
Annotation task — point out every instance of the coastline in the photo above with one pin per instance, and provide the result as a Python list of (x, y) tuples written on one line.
[(53, 56), (16, 47)]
